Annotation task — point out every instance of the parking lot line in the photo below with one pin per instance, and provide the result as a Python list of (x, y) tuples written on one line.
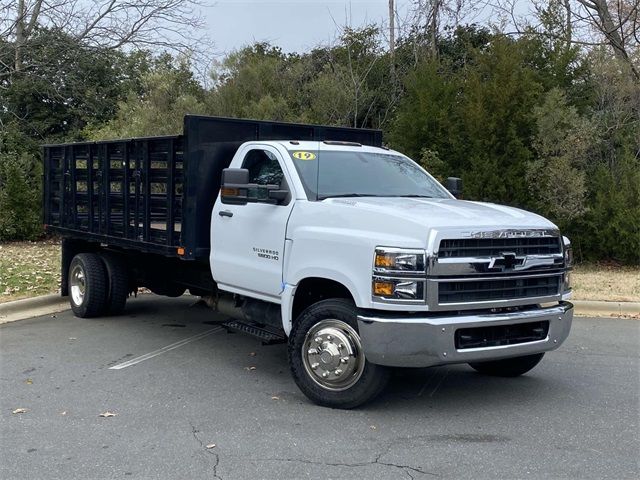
[(162, 350)]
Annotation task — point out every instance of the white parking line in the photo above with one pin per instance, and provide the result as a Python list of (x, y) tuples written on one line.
[(162, 350)]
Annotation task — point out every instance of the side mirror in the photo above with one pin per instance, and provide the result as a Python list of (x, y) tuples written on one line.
[(278, 196), (235, 185), (454, 185), (236, 189)]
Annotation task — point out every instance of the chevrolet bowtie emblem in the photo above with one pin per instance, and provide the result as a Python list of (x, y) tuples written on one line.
[(506, 260)]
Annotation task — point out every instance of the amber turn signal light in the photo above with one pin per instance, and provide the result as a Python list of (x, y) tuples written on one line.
[(383, 289), (230, 192)]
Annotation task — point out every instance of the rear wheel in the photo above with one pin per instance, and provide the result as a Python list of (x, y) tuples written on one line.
[(327, 360), (509, 367), (88, 285), (118, 277)]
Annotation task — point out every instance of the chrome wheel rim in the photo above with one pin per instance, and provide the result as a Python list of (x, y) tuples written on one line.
[(332, 355), (78, 284)]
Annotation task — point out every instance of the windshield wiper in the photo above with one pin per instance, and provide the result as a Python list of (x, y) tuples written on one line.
[(412, 196), (347, 195)]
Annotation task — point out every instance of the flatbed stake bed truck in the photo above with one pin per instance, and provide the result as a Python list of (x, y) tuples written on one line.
[(314, 235)]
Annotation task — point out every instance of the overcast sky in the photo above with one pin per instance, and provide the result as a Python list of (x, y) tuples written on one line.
[(294, 25)]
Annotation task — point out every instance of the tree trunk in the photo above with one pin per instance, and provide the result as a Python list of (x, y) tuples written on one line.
[(20, 34), (568, 25), (392, 41), (611, 33), (433, 27)]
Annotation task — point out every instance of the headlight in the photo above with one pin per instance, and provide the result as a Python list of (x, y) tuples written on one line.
[(396, 260), (568, 252), (398, 275), (568, 263)]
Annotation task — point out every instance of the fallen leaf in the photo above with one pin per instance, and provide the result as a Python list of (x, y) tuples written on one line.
[(108, 414), (19, 410), (28, 381), (211, 445)]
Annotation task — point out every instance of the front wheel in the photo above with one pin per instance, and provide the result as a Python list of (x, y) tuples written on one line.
[(509, 367), (327, 360)]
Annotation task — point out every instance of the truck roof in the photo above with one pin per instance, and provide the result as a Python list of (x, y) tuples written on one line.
[(293, 145)]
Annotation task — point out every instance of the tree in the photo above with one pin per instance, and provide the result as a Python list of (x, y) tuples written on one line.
[(344, 84), (20, 197), (563, 141), (104, 24), (66, 85), (167, 92), (476, 116), (586, 23), (619, 27)]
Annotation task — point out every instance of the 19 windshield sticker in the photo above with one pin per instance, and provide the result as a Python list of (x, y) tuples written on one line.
[(300, 155)]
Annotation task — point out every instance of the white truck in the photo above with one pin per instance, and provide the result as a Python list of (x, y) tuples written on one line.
[(351, 253)]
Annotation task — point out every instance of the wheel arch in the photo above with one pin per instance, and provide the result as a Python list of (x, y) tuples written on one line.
[(308, 291)]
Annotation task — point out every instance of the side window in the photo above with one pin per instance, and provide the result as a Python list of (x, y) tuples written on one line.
[(263, 167)]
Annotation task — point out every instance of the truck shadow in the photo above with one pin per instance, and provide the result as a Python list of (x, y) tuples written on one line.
[(452, 388), (455, 388)]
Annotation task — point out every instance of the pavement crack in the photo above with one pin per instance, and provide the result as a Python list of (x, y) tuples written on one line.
[(407, 469), (194, 432)]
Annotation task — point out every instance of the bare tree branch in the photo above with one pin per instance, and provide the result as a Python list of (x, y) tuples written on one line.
[(110, 24)]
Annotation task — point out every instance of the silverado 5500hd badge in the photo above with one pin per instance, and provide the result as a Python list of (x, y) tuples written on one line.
[(266, 253)]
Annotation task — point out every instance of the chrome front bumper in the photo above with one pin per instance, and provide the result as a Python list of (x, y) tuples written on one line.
[(422, 341)]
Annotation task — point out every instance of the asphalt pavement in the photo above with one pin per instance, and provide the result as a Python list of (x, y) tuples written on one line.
[(194, 402)]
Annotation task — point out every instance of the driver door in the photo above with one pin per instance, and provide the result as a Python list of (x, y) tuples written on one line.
[(248, 241)]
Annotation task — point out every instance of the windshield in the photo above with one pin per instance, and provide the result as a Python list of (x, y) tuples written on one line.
[(349, 173)]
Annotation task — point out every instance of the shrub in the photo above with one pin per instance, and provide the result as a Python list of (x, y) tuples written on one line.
[(20, 197)]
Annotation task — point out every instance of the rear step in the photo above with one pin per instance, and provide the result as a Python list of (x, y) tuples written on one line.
[(268, 335)]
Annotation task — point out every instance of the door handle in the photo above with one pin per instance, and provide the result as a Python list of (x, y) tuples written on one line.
[(225, 213)]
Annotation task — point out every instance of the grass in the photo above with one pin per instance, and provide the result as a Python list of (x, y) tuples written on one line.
[(606, 282), (29, 269)]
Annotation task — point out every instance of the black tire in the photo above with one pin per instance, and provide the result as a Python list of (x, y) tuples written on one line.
[(509, 367), (88, 295), (370, 382), (118, 277)]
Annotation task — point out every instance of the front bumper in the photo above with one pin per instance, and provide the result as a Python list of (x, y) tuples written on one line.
[(422, 341)]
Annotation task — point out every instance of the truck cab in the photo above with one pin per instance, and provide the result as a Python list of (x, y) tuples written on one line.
[(316, 236)]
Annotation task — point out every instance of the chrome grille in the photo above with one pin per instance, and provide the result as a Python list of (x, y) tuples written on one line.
[(483, 290), (488, 247), (498, 268)]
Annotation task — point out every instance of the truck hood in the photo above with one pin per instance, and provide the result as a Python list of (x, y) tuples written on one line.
[(441, 212)]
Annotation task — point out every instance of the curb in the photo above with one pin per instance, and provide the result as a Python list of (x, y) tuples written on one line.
[(606, 309), (32, 307)]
